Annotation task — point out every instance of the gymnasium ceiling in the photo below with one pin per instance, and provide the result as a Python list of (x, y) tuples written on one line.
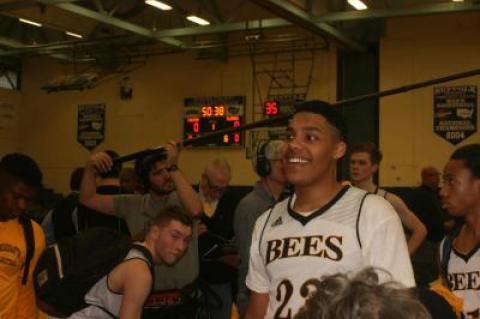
[(130, 30)]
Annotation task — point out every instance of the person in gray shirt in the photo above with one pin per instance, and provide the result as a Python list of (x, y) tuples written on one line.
[(268, 164), (167, 186)]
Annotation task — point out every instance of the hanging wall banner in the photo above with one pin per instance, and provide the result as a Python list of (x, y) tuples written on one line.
[(455, 112), (91, 125)]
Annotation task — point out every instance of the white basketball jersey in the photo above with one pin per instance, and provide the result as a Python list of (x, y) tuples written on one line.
[(463, 273), (288, 249)]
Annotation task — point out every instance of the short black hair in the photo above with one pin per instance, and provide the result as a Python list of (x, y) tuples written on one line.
[(22, 168), (470, 155), (116, 168), (370, 148), (144, 165), (328, 111)]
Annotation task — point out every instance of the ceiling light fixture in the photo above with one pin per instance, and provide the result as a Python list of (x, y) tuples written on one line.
[(457, 0), (357, 4), (159, 5), (76, 35), (197, 20), (30, 22)]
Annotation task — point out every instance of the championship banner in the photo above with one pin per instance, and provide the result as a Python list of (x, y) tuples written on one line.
[(91, 125), (455, 112)]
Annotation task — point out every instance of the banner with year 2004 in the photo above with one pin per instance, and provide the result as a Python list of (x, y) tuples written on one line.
[(455, 112)]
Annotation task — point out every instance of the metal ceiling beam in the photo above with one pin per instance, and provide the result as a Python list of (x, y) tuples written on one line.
[(19, 48), (121, 24), (62, 45), (222, 28), (441, 8), (303, 19), (11, 43), (15, 5)]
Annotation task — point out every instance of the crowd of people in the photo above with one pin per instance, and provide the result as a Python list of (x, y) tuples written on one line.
[(300, 244)]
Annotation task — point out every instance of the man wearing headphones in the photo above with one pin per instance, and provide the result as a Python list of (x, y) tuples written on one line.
[(268, 165), (167, 186)]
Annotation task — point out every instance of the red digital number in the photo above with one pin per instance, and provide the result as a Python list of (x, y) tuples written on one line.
[(236, 124), (214, 126), (236, 138), (196, 127), (271, 108)]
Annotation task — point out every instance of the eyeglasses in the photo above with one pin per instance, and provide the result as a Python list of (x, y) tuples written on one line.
[(214, 188)]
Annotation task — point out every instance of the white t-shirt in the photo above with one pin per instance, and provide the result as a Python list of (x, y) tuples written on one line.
[(464, 277), (288, 249)]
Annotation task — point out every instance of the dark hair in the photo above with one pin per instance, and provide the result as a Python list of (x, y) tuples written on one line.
[(170, 213), (76, 178), (116, 168), (362, 297), (144, 165), (22, 168), (370, 148), (470, 155), (328, 111)]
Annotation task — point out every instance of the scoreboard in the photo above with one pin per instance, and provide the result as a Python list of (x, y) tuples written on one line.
[(209, 114)]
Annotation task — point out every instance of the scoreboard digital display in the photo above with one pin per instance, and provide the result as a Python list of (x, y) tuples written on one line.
[(281, 104), (204, 115)]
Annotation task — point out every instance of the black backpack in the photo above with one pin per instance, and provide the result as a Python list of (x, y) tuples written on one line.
[(62, 217), (67, 270)]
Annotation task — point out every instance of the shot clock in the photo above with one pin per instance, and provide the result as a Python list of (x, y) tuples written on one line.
[(281, 104), (209, 114)]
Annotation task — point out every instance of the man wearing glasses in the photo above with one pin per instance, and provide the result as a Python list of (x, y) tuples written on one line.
[(217, 260)]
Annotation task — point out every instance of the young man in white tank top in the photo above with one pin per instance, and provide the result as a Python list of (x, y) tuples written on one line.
[(364, 162), (122, 293), (324, 227)]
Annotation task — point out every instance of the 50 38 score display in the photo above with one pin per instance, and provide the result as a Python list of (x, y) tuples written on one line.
[(210, 114)]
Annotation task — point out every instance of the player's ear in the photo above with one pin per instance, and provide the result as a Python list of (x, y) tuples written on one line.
[(340, 150)]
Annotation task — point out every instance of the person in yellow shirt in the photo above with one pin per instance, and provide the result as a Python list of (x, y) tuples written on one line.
[(20, 177)]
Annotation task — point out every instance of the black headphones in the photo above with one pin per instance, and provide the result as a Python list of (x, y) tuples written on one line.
[(263, 164)]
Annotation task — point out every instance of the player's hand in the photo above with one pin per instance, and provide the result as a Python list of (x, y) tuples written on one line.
[(173, 151), (100, 162)]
